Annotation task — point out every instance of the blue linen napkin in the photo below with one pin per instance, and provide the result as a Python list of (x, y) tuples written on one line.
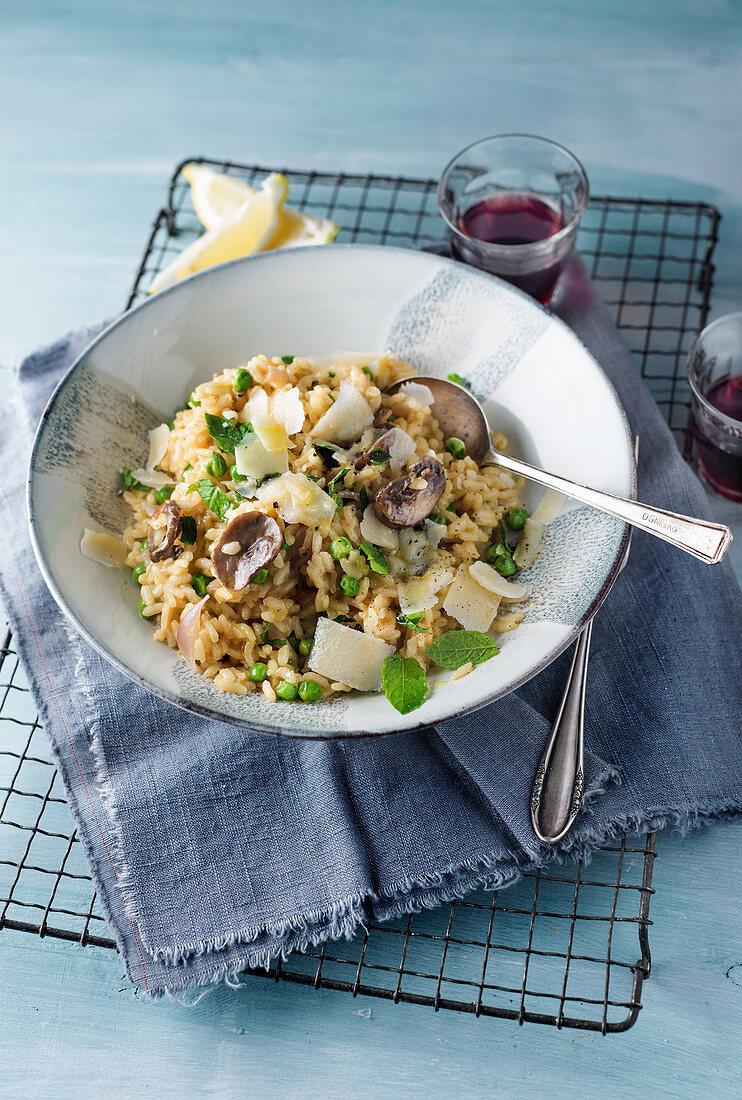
[(213, 849)]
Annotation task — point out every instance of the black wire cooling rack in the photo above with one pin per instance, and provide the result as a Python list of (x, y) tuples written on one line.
[(568, 946)]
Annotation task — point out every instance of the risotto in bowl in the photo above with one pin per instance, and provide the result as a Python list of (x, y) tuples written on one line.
[(289, 541)]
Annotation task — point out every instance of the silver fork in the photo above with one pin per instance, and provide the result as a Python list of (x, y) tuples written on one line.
[(556, 796)]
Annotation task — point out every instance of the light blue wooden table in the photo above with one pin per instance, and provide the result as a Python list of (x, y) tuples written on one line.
[(99, 102)]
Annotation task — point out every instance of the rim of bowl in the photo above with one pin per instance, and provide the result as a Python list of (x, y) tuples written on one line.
[(530, 248), (265, 727)]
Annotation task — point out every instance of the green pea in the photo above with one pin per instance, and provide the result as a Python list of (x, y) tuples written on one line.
[(260, 577), (216, 466), (242, 380), (340, 548), (349, 585), (305, 646), (456, 447), (138, 570), (287, 691), (199, 583), (258, 672), (497, 551), (310, 691), (163, 494), (142, 608), (505, 565), (515, 518), (236, 475)]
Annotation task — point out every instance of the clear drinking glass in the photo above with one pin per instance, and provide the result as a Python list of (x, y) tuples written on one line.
[(513, 203), (715, 376)]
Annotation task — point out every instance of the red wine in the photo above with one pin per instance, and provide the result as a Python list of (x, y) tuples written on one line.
[(514, 219), (721, 469)]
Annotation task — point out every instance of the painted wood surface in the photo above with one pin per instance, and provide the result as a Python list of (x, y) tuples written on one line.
[(99, 102)]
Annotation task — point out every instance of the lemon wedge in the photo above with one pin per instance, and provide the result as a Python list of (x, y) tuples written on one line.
[(215, 195), (248, 229)]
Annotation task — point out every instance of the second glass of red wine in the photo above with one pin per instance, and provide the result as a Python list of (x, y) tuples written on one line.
[(715, 376), (513, 203)]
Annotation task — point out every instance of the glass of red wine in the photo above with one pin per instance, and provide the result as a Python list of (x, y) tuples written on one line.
[(715, 376), (513, 204)]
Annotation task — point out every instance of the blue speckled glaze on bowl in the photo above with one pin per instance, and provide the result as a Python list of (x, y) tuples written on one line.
[(534, 376)]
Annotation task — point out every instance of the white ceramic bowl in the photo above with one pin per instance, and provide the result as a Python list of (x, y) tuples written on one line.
[(539, 385)]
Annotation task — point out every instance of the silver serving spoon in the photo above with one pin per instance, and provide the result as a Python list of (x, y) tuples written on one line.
[(556, 796), (460, 415)]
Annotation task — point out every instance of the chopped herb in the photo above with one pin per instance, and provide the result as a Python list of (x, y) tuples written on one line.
[(337, 478), (285, 546), (213, 497), (225, 433), (187, 468), (331, 374), (327, 453), (375, 558), (368, 371), (188, 529), (411, 621), (193, 402), (130, 482), (332, 398), (163, 494), (314, 478), (404, 683), (459, 380), (265, 632), (199, 582), (343, 619), (452, 510), (377, 456), (236, 475), (260, 577), (171, 425), (438, 517), (459, 647), (339, 502), (363, 497), (288, 359)]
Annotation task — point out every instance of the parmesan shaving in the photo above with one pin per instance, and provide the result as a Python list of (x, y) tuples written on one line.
[(423, 395), (348, 656), (153, 479), (373, 530), (490, 579), (469, 604), (299, 500), (158, 440), (103, 548), (548, 507), (421, 593), (346, 420)]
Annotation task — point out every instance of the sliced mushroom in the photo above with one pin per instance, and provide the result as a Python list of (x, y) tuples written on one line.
[(382, 415), (410, 499), (381, 444), (246, 545), (161, 536)]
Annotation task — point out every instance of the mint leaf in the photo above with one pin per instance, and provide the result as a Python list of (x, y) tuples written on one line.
[(213, 497), (227, 434), (458, 647), (404, 683), (288, 359), (375, 558), (334, 481), (411, 621), (459, 380), (377, 456), (189, 530)]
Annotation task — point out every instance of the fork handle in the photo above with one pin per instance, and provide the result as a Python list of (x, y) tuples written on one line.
[(704, 540), (560, 779)]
